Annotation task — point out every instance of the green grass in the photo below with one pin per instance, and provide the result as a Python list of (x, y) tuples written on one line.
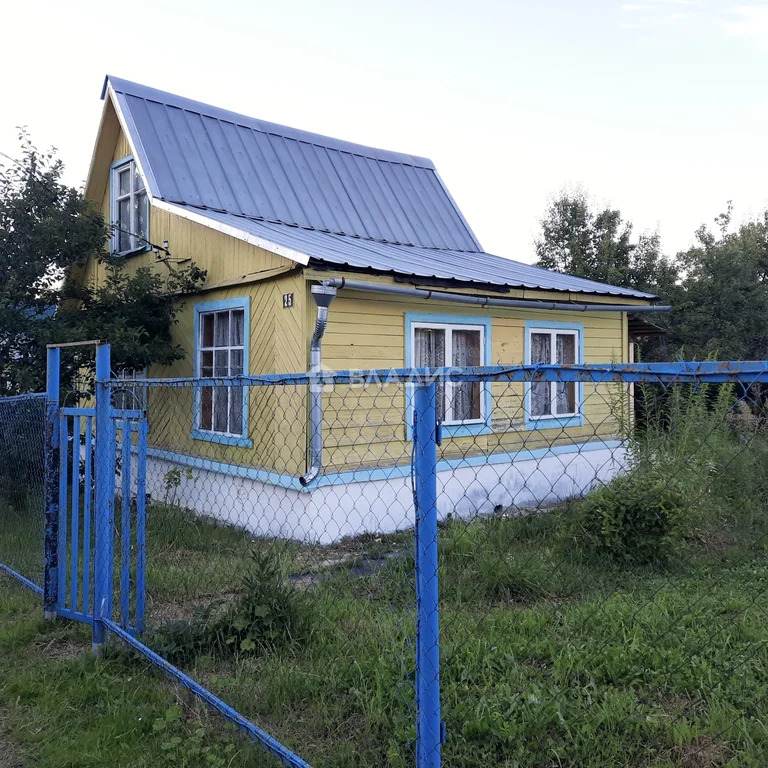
[(551, 655), (21, 544), (550, 658), (61, 707)]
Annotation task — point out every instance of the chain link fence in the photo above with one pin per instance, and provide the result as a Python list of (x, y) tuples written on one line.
[(601, 548), (307, 589), (22, 489), (598, 533), (605, 603)]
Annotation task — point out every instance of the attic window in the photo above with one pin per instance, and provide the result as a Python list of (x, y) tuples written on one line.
[(130, 208)]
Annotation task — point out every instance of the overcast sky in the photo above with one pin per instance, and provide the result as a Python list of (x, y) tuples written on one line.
[(657, 107)]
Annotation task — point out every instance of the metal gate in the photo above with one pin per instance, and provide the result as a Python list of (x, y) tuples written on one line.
[(95, 505)]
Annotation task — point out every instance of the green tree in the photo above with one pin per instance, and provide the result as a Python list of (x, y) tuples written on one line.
[(722, 305), (598, 246), (48, 231)]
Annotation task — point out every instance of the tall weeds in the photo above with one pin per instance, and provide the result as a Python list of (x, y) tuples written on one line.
[(696, 463)]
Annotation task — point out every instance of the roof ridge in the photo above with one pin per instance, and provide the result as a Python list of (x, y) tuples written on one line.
[(130, 88)]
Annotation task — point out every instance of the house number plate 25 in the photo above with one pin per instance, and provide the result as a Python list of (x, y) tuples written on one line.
[(287, 300)]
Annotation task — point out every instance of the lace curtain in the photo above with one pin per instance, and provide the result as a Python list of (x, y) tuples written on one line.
[(565, 395), (544, 394), (466, 394), (429, 352), (541, 392)]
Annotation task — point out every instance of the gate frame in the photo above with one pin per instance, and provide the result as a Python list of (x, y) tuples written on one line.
[(51, 553), (103, 507)]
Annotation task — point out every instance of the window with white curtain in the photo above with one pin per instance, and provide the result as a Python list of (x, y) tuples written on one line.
[(130, 209), (454, 346), (553, 399), (132, 393), (221, 345)]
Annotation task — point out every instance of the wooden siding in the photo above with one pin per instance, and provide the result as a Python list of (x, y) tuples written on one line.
[(276, 415), (365, 427), (368, 331)]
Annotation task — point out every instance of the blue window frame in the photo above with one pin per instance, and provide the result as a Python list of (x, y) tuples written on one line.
[(222, 330), (129, 208), (550, 404), (434, 340)]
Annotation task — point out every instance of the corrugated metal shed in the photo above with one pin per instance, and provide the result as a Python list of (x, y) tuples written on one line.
[(340, 204)]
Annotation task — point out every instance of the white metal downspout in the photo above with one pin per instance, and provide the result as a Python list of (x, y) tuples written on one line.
[(323, 296)]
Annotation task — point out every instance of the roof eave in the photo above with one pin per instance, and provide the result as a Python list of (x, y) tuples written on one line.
[(416, 279), (240, 234)]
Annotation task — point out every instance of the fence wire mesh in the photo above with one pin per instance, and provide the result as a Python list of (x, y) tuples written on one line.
[(602, 558), (603, 595), (22, 490), (308, 590), (602, 564)]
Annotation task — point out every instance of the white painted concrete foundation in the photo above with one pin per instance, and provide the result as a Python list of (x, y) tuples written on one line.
[(334, 511)]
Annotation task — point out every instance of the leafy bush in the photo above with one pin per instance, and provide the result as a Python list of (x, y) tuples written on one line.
[(184, 640), (640, 518), (696, 466), (269, 613)]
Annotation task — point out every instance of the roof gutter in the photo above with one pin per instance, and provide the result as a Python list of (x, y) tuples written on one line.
[(486, 301)]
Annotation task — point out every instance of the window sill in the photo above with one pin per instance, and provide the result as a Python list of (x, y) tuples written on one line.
[(216, 437), (456, 430), (459, 430), (555, 422), (132, 252)]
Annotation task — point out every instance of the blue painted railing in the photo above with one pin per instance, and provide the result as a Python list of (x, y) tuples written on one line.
[(703, 372), (429, 726)]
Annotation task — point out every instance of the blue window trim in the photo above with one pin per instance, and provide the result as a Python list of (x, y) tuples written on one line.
[(113, 208), (244, 303), (554, 422), (450, 430)]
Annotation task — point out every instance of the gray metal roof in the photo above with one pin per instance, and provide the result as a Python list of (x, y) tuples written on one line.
[(417, 262), (214, 159), (338, 203)]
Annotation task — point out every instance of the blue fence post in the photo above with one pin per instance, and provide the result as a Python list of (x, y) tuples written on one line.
[(103, 560), (51, 538), (429, 726), (141, 523)]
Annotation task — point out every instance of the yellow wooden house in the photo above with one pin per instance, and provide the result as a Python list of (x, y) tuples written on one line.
[(324, 253)]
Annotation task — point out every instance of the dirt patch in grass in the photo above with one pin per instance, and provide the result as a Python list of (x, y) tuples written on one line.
[(703, 752), (58, 648), (7, 757)]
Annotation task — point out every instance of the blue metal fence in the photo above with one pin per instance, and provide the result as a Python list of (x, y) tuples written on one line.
[(106, 471)]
